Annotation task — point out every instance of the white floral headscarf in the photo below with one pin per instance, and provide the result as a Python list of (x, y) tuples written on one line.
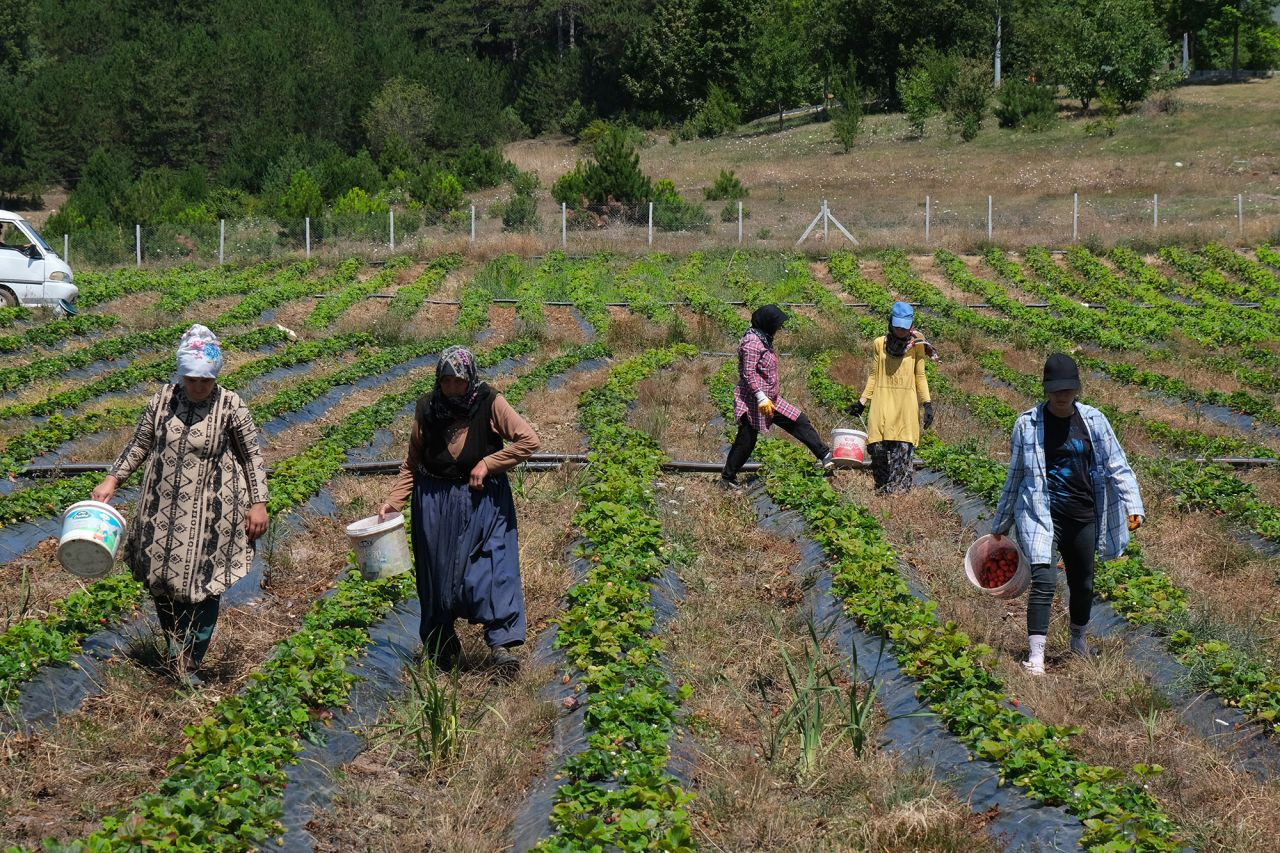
[(199, 353)]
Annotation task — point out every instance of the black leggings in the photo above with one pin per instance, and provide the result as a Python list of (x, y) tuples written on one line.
[(188, 626), (1076, 541), (745, 442)]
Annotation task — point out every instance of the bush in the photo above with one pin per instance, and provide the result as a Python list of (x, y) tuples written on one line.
[(357, 202), (438, 192), (729, 213), (338, 173), (673, 213), (599, 128), (1026, 105), (302, 199), (480, 168), (612, 173), (717, 114), (919, 102), (524, 183), (521, 214), (727, 186), (968, 99), (847, 117), (575, 118)]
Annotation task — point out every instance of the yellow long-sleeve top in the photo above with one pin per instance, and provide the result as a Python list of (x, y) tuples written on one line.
[(896, 388)]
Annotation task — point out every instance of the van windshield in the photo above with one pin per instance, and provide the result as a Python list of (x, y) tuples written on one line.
[(36, 234)]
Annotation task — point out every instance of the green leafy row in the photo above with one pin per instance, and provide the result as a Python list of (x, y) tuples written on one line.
[(587, 284), (1257, 276), (1268, 255), (289, 285), (162, 369), (473, 310), (1121, 316), (409, 299), (14, 314), (1207, 276), (225, 789), (297, 478), (617, 794), (646, 288), (32, 643), (539, 375), (213, 283), (58, 429), (333, 306), (687, 281), (56, 331)]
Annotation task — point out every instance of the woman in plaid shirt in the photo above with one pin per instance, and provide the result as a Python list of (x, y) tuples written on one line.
[(1069, 489), (756, 401)]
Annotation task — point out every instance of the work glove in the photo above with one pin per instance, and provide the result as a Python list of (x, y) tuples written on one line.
[(764, 404), (857, 408), (1135, 521), (928, 416)]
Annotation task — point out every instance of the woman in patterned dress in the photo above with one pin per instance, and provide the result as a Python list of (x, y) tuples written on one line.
[(203, 499), (757, 402)]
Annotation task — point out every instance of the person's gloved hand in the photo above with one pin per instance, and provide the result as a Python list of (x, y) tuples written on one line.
[(928, 416), (1135, 521), (766, 407), (857, 408)]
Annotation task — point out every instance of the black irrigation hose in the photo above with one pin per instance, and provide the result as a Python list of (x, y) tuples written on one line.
[(552, 461)]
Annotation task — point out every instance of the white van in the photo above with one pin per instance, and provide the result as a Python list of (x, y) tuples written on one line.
[(31, 273)]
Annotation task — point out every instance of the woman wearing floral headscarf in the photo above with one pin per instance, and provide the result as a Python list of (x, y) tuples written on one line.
[(203, 499), (463, 514)]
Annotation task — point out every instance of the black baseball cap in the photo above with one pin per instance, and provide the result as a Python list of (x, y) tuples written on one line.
[(1061, 373)]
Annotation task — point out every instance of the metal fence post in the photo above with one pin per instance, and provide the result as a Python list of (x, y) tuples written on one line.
[(564, 224), (739, 221), (926, 220), (473, 223), (391, 221), (308, 236), (222, 241), (1155, 210), (1075, 217), (988, 219), (1240, 211), (826, 217), (137, 242), (66, 248), (649, 231)]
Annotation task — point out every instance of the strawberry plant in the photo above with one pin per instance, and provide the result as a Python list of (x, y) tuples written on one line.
[(409, 298), (616, 794), (335, 304)]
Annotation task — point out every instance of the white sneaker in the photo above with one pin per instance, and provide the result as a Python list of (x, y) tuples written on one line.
[(1033, 668)]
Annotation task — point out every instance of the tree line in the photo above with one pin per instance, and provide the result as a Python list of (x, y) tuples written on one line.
[(217, 107)]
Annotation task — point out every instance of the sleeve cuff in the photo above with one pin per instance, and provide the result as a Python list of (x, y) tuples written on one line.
[(761, 396)]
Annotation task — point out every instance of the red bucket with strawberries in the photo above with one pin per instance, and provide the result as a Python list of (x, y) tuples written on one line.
[(998, 567)]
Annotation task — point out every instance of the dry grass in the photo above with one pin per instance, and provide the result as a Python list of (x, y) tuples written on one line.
[(391, 800), (878, 191), (741, 609), (1108, 700), (554, 414), (31, 583), (674, 409)]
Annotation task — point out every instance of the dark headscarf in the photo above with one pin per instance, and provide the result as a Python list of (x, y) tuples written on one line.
[(456, 361), (766, 321)]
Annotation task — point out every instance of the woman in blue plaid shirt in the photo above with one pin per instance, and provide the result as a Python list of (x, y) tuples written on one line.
[(1069, 489)]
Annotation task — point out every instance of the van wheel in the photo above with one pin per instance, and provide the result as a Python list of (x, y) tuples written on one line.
[(7, 299)]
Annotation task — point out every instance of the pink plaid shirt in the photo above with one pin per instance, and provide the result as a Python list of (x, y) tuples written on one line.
[(758, 371)]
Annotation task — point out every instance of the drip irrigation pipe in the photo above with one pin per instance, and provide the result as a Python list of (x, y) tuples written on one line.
[(552, 461)]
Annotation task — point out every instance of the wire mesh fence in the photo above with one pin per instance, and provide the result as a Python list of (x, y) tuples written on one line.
[(947, 220)]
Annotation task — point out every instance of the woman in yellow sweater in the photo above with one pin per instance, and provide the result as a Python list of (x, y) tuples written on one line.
[(897, 390)]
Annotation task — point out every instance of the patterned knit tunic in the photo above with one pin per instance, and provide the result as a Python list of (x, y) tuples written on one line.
[(187, 541)]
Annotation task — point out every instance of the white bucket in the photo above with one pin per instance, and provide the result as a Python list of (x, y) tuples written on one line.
[(983, 548), (91, 536), (849, 447), (382, 550)]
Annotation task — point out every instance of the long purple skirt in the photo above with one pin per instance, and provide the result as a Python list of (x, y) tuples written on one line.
[(467, 559)]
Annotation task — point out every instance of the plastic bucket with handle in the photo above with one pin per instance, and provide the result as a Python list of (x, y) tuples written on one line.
[(849, 447), (998, 568), (91, 536), (382, 550)]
